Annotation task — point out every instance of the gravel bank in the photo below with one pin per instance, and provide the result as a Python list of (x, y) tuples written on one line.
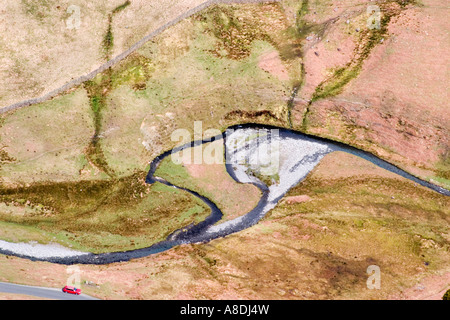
[(39, 251)]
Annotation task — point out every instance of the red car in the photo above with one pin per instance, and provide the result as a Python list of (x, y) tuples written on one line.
[(72, 290)]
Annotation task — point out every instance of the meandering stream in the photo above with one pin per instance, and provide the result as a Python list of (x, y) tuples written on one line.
[(284, 155)]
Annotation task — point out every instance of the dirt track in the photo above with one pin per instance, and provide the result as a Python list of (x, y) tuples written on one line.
[(123, 55)]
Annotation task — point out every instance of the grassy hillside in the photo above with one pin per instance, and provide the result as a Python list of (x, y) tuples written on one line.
[(72, 168)]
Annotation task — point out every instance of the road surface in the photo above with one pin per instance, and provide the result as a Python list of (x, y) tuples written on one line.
[(41, 292)]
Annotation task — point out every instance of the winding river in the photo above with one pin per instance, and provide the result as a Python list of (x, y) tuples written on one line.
[(247, 148)]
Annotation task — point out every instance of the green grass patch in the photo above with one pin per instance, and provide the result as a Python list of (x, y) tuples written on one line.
[(36, 8), (369, 38), (391, 219), (234, 36), (121, 7), (108, 40), (98, 216)]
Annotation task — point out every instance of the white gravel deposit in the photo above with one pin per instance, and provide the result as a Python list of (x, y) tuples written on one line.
[(36, 250), (296, 159), (273, 154)]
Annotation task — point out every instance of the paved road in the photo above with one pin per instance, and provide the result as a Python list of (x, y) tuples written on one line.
[(41, 292)]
